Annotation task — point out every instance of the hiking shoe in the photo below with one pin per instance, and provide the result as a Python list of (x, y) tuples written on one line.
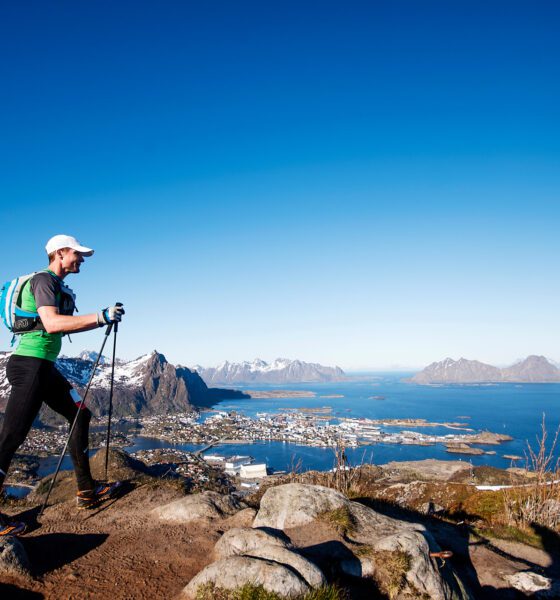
[(101, 493), (9, 527)]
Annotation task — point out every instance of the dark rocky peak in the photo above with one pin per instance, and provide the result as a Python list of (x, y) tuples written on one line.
[(155, 364)]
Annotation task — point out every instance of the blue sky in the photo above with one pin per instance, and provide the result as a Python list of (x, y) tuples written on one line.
[(364, 184)]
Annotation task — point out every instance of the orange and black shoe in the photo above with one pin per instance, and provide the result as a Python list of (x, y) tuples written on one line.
[(9, 527), (101, 493)]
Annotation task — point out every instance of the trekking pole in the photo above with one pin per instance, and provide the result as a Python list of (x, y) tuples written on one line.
[(105, 337), (115, 329)]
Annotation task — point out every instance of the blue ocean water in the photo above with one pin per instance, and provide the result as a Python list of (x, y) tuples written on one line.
[(513, 409)]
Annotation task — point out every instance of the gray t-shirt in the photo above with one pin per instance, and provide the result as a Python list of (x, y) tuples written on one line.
[(45, 289)]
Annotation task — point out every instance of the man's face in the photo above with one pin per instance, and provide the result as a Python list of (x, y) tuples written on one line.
[(71, 260)]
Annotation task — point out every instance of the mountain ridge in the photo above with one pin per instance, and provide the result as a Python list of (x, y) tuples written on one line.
[(146, 385), (280, 370), (533, 369)]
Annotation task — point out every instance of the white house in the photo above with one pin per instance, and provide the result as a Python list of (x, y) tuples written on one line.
[(256, 471), (233, 464)]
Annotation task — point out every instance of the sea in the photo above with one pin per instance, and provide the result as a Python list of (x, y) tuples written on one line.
[(517, 410)]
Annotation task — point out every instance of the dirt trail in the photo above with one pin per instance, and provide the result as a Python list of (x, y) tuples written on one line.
[(116, 551)]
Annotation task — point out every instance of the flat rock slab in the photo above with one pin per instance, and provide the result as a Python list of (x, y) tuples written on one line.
[(429, 469), (208, 505), (13, 558), (236, 571)]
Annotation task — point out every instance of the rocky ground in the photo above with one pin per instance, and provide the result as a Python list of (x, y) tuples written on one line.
[(155, 541)]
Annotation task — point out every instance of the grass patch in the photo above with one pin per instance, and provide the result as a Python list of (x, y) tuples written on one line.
[(511, 533), (43, 486), (257, 592), (340, 519), (363, 551), (390, 572), (485, 505), (327, 592), (247, 592)]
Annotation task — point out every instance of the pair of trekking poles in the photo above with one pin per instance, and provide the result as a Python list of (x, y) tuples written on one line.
[(114, 326)]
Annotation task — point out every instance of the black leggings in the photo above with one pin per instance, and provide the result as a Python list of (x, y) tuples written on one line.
[(35, 381)]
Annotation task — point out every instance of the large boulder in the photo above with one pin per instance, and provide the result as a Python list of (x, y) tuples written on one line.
[(205, 506), (284, 556), (372, 539), (13, 558), (236, 571), (243, 518), (423, 573), (368, 524), (243, 540), (296, 504)]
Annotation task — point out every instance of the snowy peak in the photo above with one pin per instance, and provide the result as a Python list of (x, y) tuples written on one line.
[(280, 370), (91, 355)]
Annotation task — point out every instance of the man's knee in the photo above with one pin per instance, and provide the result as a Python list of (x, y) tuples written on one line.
[(84, 417), (12, 439)]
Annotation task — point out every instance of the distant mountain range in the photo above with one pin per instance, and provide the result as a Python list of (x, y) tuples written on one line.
[(144, 386), (533, 369), (281, 370)]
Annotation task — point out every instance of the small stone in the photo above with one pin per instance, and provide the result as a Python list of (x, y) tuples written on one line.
[(13, 558), (529, 583)]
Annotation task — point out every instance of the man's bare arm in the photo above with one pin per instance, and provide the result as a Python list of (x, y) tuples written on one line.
[(55, 323)]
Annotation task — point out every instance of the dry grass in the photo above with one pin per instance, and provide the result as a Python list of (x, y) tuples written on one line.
[(257, 592), (539, 501), (510, 533), (391, 569), (340, 519)]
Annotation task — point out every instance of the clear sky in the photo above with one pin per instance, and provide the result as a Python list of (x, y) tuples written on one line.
[(367, 184)]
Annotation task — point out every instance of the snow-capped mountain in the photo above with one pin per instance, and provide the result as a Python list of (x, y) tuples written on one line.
[(281, 370), (92, 356), (146, 385), (533, 369), (78, 370)]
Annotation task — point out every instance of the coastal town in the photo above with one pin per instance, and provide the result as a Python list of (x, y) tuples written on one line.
[(312, 427), (304, 426)]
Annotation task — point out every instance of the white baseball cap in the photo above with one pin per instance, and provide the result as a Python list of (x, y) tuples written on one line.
[(66, 241)]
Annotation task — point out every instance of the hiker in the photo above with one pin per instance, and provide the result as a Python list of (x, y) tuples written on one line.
[(34, 377)]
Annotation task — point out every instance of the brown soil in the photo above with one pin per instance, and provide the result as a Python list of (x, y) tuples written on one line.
[(116, 551)]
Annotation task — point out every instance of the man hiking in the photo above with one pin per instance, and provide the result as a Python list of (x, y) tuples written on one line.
[(34, 378)]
